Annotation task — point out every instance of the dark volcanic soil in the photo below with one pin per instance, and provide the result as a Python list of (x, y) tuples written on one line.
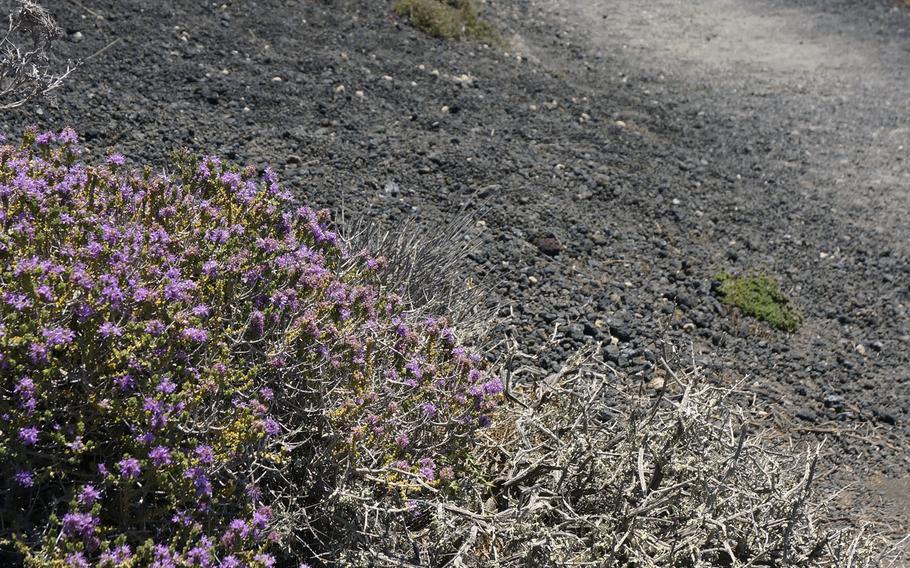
[(623, 153)]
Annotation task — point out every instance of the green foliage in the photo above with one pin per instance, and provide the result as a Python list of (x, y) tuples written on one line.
[(759, 296), (446, 19)]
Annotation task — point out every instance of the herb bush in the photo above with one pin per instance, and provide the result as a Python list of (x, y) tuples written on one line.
[(196, 372)]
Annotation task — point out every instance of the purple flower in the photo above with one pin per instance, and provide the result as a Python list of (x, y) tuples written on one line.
[(115, 159), (24, 478), (257, 323), (428, 468), (76, 560), (166, 386), (195, 334), (45, 292), (253, 492), (112, 291), (266, 560), (44, 138), (37, 353), (230, 561), (83, 312), (200, 311), (200, 481), (160, 456), (164, 558), (118, 556), (414, 367), (68, 136), (261, 518), (145, 438), (484, 421), (429, 409), (18, 302), (129, 468), (494, 386), (240, 527), (201, 554), (125, 382), (182, 518), (109, 329), (402, 440), (154, 327), (141, 294), (58, 336), (205, 454), (271, 426), (88, 496), (28, 436), (210, 268), (79, 524)]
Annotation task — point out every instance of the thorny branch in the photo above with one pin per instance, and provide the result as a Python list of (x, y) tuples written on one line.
[(25, 67), (587, 472)]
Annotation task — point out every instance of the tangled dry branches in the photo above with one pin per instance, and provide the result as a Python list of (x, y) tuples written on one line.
[(582, 472), (25, 68)]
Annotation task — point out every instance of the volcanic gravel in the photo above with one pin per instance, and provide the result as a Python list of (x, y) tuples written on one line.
[(609, 186)]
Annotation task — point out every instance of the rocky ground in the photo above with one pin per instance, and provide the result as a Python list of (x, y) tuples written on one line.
[(617, 155)]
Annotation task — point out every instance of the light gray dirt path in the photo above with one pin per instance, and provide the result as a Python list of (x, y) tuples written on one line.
[(806, 106), (837, 81)]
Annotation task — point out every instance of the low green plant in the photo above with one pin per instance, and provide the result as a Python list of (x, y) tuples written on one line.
[(759, 295), (446, 19)]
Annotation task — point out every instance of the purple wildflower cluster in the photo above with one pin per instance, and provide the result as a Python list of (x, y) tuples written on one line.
[(164, 341)]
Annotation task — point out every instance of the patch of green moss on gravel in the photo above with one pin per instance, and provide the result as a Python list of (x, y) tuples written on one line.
[(759, 296), (446, 19)]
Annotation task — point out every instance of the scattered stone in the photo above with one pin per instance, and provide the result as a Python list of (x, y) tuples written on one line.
[(547, 244), (884, 416), (391, 188), (612, 353), (807, 414)]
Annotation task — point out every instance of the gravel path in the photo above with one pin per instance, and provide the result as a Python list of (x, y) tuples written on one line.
[(617, 157), (800, 109)]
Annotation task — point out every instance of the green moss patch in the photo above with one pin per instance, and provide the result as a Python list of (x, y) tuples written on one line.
[(759, 296), (446, 19)]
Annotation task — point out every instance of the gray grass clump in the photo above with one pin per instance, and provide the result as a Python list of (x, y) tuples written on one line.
[(25, 68), (427, 268)]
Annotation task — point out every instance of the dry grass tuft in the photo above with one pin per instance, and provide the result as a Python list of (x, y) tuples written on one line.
[(427, 268), (446, 19)]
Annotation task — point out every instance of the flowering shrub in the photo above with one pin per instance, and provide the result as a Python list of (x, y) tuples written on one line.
[(192, 371)]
